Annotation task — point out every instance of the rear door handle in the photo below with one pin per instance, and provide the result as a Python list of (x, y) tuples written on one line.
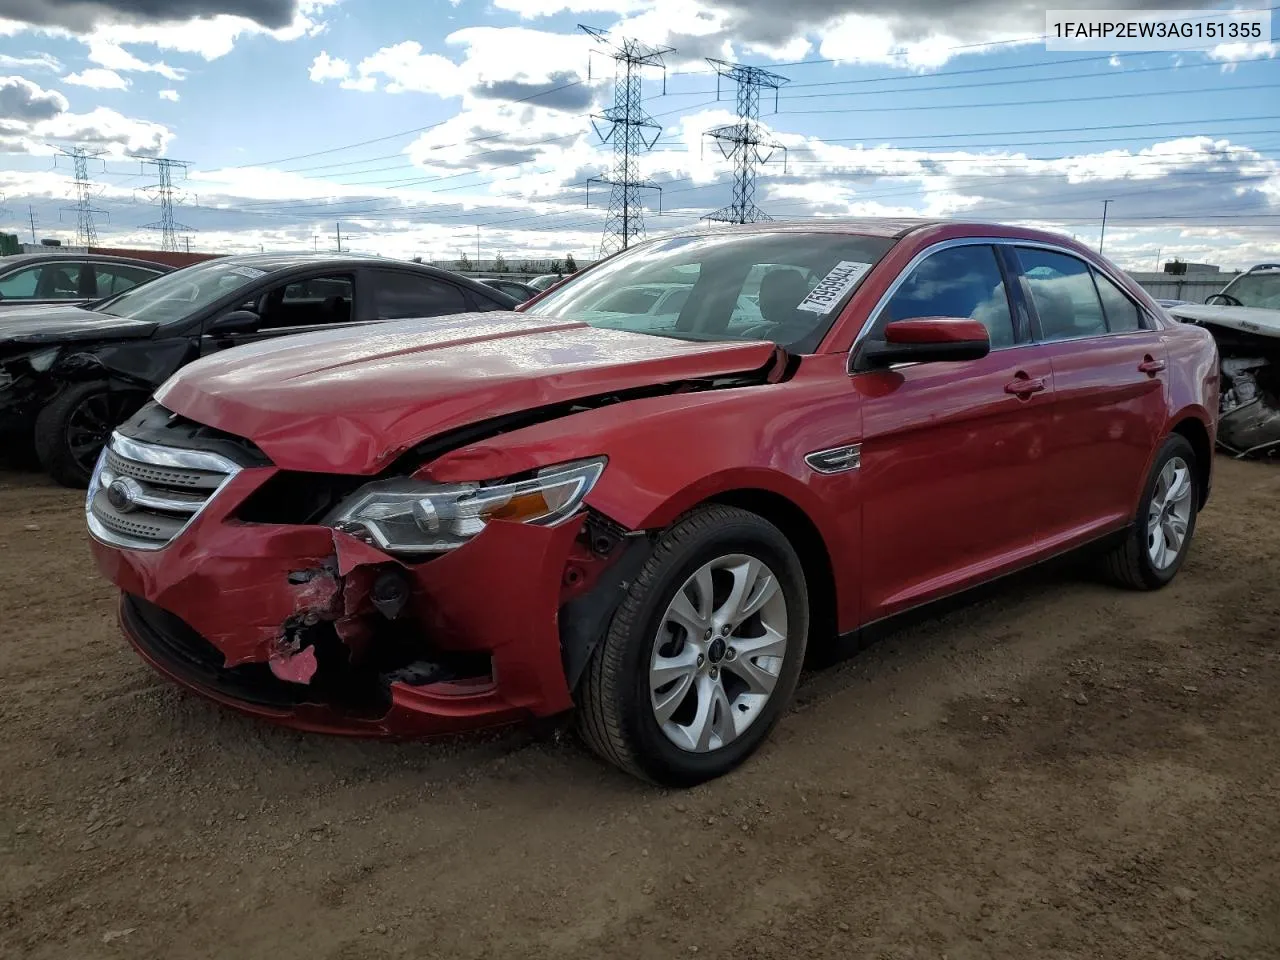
[(1151, 365), (1024, 386)]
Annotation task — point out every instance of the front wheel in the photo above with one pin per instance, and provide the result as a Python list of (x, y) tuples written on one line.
[(75, 425), (704, 652), (1155, 547)]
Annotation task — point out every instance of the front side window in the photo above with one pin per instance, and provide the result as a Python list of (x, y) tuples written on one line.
[(308, 302), (399, 296), (786, 287), (21, 285), (1260, 289), (1062, 290), (961, 282)]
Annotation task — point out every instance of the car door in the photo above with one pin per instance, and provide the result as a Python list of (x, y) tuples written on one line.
[(1110, 392), (952, 454)]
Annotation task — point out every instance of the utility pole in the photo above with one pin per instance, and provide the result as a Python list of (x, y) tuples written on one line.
[(339, 237), (162, 192), (187, 240), (1103, 235), (477, 246), (31, 212), (632, 131), (1159, 250), (315, 241), (86, 229), (746, 142)]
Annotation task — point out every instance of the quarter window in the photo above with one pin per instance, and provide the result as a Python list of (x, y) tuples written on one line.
[(1122, 313), (958, 282), (1062, 290)]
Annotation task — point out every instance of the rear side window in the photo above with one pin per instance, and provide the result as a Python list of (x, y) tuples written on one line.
[(403, 295), (958, 282), (1062, 290), (1122, 313)]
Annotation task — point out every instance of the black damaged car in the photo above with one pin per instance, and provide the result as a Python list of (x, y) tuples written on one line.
[(69, 375)]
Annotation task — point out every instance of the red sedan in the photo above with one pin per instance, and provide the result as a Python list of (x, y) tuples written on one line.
[(655, 489)]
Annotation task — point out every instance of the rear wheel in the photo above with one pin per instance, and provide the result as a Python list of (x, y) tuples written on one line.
[(1154, 549), (704, 652), (74, 426)]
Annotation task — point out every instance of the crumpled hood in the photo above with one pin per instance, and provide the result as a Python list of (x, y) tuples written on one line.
[(350, 401), (1248, 319), (53, 324)]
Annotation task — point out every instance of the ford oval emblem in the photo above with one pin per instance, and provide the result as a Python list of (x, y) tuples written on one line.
[(123, 494)]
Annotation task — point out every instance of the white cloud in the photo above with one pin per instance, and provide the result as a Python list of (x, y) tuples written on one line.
[(404, 67), (325, 67), (171, 95), (532, 9), (39, 62), (114, 57), (1231, 53), (114, 131), (97, 78)]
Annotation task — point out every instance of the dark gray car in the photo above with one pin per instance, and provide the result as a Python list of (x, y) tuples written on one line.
[(31, 279)]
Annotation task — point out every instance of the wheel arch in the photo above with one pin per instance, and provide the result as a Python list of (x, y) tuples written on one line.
[(810, 546), (1197, 434)]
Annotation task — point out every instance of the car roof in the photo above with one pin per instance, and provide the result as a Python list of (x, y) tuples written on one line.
[(276, 262), (53, 256)]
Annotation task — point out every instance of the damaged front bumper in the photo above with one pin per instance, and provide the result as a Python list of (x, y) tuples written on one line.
[(310, 627)]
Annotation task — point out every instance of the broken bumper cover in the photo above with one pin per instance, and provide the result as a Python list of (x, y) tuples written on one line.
[(225, 599)]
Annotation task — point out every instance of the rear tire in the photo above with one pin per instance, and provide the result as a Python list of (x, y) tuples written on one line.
[(74, 426), (1148, 558), (728, 688)]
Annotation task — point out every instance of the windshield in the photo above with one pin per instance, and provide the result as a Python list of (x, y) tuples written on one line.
[(1256, 289), (784, 287), (178, 295)]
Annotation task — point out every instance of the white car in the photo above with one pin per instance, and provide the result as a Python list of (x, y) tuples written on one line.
[(1244, 318)]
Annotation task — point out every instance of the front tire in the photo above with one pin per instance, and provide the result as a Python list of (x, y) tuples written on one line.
[(1156, 545), (704, 652), (74, 426)]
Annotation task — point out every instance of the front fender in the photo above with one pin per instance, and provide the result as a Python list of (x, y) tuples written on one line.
[(669, 453)]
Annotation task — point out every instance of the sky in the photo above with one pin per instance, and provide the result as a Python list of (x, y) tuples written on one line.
[(436, 127)]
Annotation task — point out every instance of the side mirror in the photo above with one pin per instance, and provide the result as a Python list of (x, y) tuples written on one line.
[(926, 340), (236, 321)]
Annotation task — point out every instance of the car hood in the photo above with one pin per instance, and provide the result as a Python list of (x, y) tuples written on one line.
[(1248, 319), (60, 323), (350, 401)]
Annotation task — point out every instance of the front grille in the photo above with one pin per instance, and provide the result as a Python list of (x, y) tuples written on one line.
[(143, 495)]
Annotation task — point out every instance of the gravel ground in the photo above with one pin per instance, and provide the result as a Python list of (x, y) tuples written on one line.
[(1055, 770)]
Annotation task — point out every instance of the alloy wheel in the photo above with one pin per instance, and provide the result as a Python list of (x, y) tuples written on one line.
[(1169, 515), (719, 653), (90, 424)]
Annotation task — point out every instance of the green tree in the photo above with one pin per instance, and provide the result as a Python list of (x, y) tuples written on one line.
[(464, 262), (570, 264), (556, 267), (500, 264)]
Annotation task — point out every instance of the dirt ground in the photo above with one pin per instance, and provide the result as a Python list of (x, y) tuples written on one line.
[(1056, 770)]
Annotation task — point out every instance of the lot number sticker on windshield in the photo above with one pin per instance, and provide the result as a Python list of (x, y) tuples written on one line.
[(253, 273), (832, 288)]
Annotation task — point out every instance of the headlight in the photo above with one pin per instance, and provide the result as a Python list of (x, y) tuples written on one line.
[(412, 516)]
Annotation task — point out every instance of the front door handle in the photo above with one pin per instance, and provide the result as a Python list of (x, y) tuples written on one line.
[(1024, 386), (1150, 365)]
